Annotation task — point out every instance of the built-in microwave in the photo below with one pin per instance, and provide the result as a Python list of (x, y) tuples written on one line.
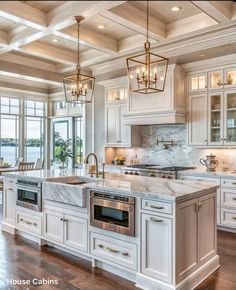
[(112, 212), (29, 194)]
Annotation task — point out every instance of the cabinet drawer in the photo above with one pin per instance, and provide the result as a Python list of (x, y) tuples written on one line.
[(228, 197), (228, 217), (157, 206), (199, 179), (28, 223), (116, 251), (228, 182)]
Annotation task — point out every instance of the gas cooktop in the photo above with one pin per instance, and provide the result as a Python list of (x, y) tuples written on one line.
[(158, 167)]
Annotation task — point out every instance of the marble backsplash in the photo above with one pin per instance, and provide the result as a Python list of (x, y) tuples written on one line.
[(180, 154)]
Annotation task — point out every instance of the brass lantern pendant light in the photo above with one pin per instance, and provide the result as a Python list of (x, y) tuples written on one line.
[(147, 71), (79, 87)]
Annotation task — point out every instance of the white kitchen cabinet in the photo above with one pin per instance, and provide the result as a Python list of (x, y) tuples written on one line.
[(28, 222), (75, 232), (197, 128), (117, 133), (66, 229), (223, 78), (195, 220), (197, 82), (215, 119), (157, 247), (53, 226), (9, 198)]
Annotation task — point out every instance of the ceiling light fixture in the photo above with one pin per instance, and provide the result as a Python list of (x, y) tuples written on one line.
[(78, 88), (101, 26), (175, 8), (147, 71)]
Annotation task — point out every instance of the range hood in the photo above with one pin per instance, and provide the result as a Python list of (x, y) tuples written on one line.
[(168, 107)]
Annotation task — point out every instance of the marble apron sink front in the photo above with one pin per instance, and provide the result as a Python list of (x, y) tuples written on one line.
[(65, 193)]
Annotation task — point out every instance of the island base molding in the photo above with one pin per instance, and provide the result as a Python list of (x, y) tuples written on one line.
[(189, 283)]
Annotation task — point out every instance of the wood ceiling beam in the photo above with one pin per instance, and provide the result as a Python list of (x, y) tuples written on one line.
[(29, 73), (62, 16), (218, 10), (24, 14), (133, 18), (3, 38), (50, 52), (90, 39)]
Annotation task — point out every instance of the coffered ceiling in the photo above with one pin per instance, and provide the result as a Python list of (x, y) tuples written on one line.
[(38, 39)]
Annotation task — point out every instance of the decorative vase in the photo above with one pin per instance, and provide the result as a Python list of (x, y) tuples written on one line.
[(63, 165)]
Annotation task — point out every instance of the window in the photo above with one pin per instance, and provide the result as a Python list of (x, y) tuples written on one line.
[(59, 105), (34, 130), (9, 129), (79, 140), (60, 130)]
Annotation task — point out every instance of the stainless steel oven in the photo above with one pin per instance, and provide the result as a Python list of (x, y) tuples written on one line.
[(29, 194), (112, 212)]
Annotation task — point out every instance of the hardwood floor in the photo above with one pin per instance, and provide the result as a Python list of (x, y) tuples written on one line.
[(22, 259)]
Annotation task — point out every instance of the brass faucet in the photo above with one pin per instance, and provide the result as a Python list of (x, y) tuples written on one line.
[(96, 162)]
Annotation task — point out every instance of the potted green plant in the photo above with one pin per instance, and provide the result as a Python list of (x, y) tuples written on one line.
[(63, 150)]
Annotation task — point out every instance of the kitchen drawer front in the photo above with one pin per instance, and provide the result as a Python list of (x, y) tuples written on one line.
[(228, 217), (157, 206), (113, 250), (228, 197), (228, 182), (199, 179), (28, 223)]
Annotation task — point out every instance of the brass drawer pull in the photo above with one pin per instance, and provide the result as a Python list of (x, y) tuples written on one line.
[(35, 224), (156, 206), (100, 246), (233, 218), (28, 223), (21, 220), (156, 220), (112, 250), (234, 183), (233, 198), (125, 254)]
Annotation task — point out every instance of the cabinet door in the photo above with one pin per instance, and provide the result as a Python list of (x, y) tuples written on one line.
[(206, 227), (53, 226), (9, 197), (186, 239), (215, 80), (198, 120), (198, 82), (76, 232), (215, 119), (157, 247), (230, 78), (124, 131), (111, 124), (230, 117)]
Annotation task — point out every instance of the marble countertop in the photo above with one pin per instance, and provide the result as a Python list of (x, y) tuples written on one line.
[(172, 190), (231, 174)]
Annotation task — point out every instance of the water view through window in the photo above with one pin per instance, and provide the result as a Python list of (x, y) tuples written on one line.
[(33, 124)]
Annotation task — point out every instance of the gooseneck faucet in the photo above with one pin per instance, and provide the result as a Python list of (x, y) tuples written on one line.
[(96, 161)]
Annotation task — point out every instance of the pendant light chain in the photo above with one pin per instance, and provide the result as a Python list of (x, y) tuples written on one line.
[(147, 35), (78, 59)]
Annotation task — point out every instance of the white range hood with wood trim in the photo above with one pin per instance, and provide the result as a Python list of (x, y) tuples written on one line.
[(168, 107)]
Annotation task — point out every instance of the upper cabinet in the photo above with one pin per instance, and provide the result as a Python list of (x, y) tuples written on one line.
[(212, 113), (198, 82), (212, 80), (117, 134)]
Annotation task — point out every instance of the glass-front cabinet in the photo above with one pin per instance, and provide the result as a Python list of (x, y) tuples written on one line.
[(198, 82), (219, 79), (230, 118), (215, 120), (116, 94)]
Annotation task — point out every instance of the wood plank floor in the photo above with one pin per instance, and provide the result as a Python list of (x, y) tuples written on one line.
[(22, 259)]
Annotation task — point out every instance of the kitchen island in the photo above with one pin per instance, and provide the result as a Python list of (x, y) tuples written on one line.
[(172, 240)]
